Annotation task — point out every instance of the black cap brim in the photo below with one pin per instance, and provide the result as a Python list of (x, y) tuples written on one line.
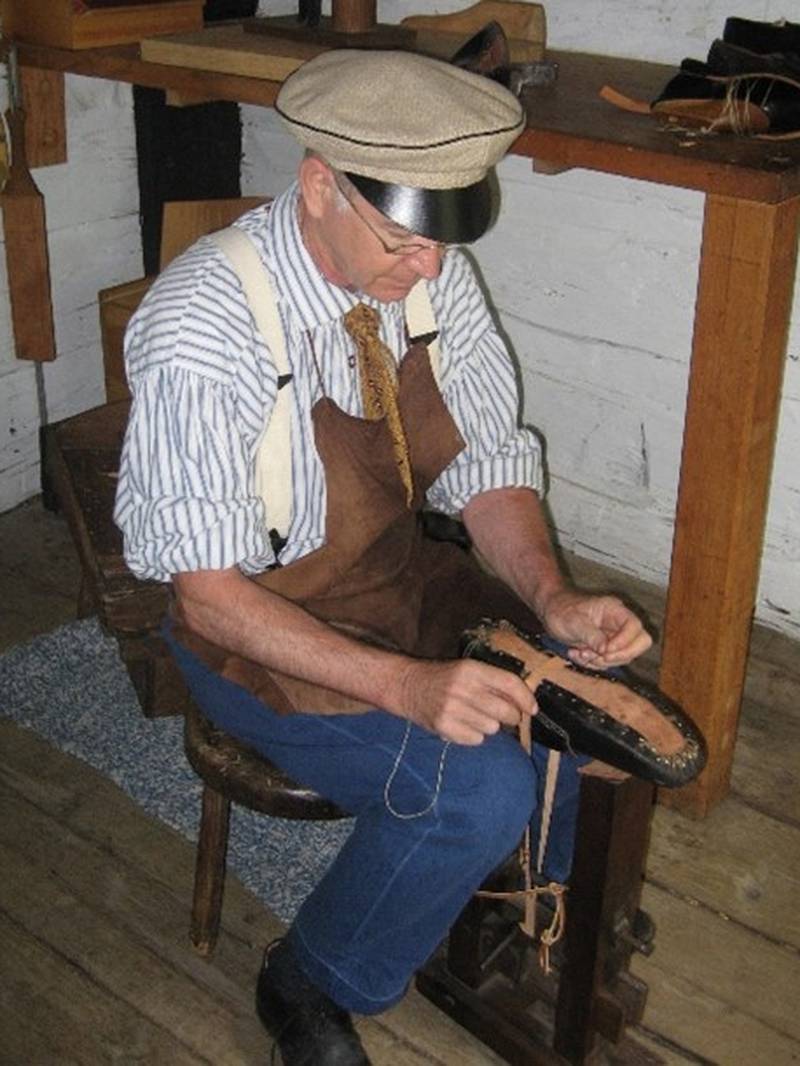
[(452, 216)]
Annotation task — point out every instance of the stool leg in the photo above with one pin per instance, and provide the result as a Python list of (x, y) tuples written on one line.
[(209, 877), (86, 605)]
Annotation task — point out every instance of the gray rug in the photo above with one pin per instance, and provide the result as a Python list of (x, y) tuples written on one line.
[(71, 687)]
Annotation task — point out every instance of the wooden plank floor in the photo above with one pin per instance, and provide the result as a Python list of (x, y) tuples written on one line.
[(95, 966)]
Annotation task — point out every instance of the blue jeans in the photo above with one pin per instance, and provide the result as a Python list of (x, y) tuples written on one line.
[(432, 821)]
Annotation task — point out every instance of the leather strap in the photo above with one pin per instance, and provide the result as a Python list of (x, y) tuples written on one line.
[(421, 323), (621, 100), (550, 669), (271, 482), (548, 801)]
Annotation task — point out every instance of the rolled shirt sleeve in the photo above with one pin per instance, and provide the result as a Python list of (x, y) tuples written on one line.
[(184, 500)]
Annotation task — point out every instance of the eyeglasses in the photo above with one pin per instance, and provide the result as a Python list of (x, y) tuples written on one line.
[(402, 249)]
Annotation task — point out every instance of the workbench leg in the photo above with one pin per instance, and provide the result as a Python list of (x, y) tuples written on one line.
[(487, 977), (744, 300), (603, 899)]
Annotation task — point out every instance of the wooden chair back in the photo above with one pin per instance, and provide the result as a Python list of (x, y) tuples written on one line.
[(183, 222)]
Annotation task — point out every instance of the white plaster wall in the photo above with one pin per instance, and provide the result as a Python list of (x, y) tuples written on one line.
[(593, 279)]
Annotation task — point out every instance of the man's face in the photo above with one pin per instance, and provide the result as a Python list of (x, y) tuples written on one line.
[(360, 249)]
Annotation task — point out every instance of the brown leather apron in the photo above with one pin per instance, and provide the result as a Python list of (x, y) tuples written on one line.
[(376, 576)]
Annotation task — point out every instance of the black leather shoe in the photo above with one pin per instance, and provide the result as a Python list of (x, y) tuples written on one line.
[(616, 718), (764, 37), (308, 1028), (729, 60), (736, 91)]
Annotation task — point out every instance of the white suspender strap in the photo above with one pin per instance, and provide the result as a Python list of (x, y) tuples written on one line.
[(273, 475), (420, 321)]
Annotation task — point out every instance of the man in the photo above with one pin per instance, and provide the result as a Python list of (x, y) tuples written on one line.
[(349, 616)]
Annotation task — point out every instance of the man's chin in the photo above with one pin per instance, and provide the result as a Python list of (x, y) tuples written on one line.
[(390, 292)]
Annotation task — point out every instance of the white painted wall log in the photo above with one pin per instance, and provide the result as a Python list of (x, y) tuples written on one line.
[(592, 277), (92, 205)]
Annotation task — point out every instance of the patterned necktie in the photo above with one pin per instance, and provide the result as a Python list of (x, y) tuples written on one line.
[(379, 385)]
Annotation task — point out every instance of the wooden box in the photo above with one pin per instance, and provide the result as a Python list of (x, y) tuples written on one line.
[(83, 454), (116, 305), (94, 23)]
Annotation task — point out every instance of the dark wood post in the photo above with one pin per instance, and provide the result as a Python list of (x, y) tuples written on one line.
[(354, 16)]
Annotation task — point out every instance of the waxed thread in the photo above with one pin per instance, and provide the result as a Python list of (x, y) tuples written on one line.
[(387, 788)]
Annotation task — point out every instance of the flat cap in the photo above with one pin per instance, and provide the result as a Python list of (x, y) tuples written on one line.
[(395, 122)]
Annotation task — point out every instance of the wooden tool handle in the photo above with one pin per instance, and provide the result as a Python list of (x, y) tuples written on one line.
[(27, 259), (20, 181)]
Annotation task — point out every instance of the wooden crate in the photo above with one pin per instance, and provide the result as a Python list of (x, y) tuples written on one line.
[(116, 305), (83, 454), (94, 23)]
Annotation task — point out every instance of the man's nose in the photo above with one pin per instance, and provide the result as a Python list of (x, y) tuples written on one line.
[(428, 261)]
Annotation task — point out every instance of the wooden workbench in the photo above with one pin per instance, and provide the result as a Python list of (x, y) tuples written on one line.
[(747, 265)]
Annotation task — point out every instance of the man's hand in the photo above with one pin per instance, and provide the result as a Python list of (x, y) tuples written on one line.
[(509, 531), (462, 700), (600, 630)]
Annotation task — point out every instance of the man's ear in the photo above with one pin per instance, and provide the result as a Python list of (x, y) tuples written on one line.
[(317, 185)]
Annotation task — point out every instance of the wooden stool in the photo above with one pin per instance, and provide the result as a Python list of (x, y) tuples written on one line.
[(232, 772)]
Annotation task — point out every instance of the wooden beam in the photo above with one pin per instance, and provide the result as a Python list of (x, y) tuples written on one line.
[(46, 125), (741, 323)]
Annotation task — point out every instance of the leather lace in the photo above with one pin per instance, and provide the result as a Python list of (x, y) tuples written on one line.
[(529, 894)]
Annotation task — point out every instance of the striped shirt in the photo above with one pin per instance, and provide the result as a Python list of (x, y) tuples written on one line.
[(203, 386)]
